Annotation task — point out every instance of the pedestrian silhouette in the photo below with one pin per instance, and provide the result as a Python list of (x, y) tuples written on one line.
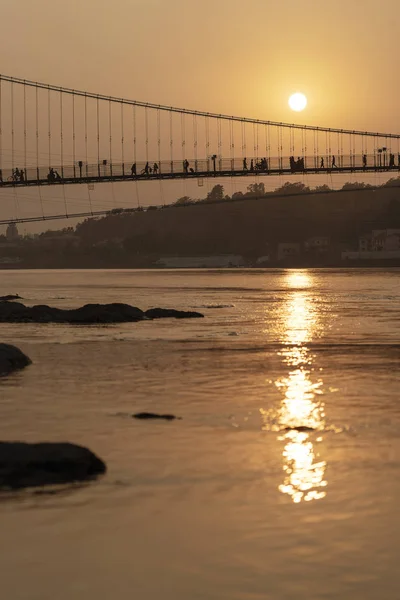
[(322, 165), (251, 165), (146, 169), (245, 164), (21, 175), (364, 161), (333, 162), (133, 170), (186, 165), (155, 168)]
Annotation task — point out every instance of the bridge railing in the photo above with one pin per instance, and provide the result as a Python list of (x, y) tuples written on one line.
[(209, 167)]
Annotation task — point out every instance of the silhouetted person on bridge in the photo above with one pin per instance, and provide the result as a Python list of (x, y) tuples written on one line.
[(245, 164), (252, 165), (146, 169), (57, 176), (322, 165), (133, 170), (391, 161), (16, 174), (51, 176), (186, 165), (21, 175), (364, 161), (334, 166), (155, 168), (262, 165), (300, 164)]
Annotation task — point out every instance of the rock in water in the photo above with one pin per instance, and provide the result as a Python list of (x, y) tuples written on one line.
[(10, 297), (146, 415), (28, 465), (164, 313), (12, 359), (300, 429), (15, 312)]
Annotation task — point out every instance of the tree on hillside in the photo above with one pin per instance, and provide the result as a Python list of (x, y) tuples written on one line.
[(292, 188), (356, 185), (393, 182), (216, 194), (323, 188), (184, 200), (256, 189)]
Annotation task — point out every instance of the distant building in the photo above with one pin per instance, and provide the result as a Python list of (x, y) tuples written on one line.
[(364, 243), (261, 260), (318, 244), (12, 232), (288, 250), (385, 240), (198, 262), (379, 244)]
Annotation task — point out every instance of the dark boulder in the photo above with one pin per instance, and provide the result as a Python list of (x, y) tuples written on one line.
[(146, 415), (27, 465), (165, 313), (15, 312), (10, 297), (12, 359), (300, 429)]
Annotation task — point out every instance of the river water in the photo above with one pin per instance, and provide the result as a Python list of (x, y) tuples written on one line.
[(227, 503)]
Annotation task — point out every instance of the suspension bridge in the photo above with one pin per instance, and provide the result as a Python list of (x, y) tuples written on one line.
[(56, 136)]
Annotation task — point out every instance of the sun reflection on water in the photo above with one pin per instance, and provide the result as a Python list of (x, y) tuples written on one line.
[(302, 407)]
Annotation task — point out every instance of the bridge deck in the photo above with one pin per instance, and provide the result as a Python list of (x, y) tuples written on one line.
[(120, 174)]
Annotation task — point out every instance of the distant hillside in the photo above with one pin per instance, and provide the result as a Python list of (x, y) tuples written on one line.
[(248, 226)]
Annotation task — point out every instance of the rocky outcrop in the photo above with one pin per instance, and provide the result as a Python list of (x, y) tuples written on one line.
[(26, 465), (12, 359), (165, 313), (300, 429), (16, 312), (146, 415), (10, 297)]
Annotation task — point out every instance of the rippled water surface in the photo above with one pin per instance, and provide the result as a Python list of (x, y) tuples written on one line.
[(234, 501)]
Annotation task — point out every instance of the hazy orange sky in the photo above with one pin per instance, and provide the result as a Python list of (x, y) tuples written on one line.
[(233, 57), (216, 55)]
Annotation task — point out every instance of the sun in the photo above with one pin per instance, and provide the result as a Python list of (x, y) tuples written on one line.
[(297, 102)]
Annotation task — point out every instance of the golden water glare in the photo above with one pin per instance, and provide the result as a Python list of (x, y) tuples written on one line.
[(302, 404)]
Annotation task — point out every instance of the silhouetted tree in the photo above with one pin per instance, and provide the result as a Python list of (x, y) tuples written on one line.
[(393, 182), (184, 200), (356, 185), (217, 193), (292, 188), (323, 188), (256, 189)]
